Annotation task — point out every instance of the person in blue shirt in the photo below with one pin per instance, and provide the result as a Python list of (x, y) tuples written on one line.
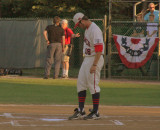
[(153, 11)]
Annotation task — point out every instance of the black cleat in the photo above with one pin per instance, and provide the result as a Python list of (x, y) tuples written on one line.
[(78, 115), (46, 77), (93, 115)]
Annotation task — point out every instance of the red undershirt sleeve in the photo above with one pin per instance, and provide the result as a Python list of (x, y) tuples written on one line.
[(98, 48)]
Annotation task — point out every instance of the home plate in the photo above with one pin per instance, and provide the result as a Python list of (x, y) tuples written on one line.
[(44, 119)]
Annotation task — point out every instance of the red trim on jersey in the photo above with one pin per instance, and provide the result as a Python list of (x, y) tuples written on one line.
[(76, 25), (98, 48)]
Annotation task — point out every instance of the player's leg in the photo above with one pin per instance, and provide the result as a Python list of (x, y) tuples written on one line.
[(79, 112), (65, 64), (93, 82), (67, 67), (57, 59), (49, 60), (64, 69), (82, 84)]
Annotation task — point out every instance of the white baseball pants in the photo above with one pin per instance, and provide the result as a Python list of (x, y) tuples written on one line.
[(86, 79)]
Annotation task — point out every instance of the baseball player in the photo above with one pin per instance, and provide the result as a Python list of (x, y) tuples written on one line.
[(89, 74), (68, 35)]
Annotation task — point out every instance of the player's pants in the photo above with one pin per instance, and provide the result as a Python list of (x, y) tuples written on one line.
[(88, 80), (54, 51), (65, 58)]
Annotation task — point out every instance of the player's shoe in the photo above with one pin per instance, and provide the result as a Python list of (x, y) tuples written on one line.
[(92, 115), (65, 77), (46, 77), (78, 115)]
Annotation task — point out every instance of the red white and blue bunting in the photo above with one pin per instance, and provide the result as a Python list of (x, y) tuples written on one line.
[(135, 52)]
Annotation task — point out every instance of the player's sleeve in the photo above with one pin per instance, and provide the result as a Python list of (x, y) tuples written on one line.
[(98, 40), (98, 48), (70, 32)]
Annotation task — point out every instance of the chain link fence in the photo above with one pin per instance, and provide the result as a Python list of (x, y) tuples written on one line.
[(126, 27), (22, 45), (18, 31), (118, 69)]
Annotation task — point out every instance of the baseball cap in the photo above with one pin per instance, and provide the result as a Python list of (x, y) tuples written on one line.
[(77, 18)]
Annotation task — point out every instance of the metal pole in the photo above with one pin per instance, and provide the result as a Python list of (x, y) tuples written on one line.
[(158, 42), (105, 29), (109, 39), (0, 9), (134, 12), (135, 9)]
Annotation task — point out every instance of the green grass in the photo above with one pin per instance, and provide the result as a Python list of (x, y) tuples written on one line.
[(39, 72), (61, 91)]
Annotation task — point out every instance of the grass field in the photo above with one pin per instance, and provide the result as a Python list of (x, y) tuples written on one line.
[(61, 91)]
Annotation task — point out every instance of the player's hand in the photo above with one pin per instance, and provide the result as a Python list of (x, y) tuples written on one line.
[(77, 35), (48, 42), (93, 69)]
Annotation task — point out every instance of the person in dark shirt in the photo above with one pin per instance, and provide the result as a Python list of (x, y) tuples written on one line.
[(54, 35)]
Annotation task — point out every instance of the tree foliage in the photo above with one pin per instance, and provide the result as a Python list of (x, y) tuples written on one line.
[(50, 8), (65, 8)]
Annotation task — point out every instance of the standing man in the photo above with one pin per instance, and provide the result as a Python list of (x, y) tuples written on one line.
[(89, 74), (54, 35), (152, 10), (65, 58), (152, 28)]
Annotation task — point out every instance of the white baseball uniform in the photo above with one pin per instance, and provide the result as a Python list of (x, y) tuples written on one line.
[(92, 37)]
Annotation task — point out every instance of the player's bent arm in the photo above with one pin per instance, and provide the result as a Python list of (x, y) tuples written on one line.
[(98, 51), (95, 62), (46, 36), (75, 35), (96, 59)]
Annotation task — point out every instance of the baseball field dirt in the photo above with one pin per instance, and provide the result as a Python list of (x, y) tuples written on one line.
[(55, 117)]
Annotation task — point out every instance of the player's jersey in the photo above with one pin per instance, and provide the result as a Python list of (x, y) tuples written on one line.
[(93, 36)]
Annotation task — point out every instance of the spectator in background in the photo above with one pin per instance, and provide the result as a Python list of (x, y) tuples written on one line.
[(152, 11), (65, 58), (138, 27), (54, 35), (152, 27)]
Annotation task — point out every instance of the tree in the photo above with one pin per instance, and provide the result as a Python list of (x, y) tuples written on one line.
[(63, 8), (0, 9)]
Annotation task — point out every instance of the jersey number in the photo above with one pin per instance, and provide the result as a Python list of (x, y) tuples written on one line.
[(88, 51)]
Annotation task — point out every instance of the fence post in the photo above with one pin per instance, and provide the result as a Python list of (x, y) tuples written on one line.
[(105, 42), (109, 39), (159, 41)]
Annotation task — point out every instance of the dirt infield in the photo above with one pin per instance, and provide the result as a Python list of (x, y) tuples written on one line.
[(54, 117)]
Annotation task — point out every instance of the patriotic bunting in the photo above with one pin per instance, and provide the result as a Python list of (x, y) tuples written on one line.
[(135, 52)]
